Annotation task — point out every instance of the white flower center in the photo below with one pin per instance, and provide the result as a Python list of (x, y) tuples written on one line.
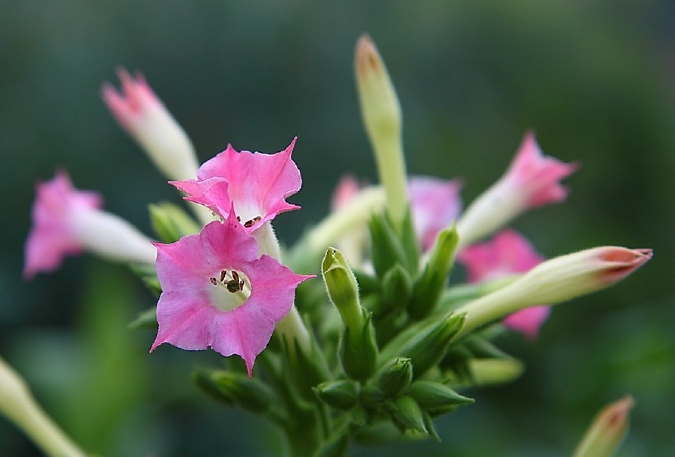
[(229, 289)]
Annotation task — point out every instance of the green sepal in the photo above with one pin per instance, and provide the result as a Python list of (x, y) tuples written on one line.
[(397, 287), (304, 371), (145, 320), (410, 242), (359, 352), (387, 249), (407, 414), (171, 222), (395, 376), (429, 285), (425, 342), (432, 395), (147, 274), (341, 395)]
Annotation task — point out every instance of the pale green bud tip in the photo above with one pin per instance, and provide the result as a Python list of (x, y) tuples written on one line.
[(342, 289), (341, 395), (395, 376), (606, 433)]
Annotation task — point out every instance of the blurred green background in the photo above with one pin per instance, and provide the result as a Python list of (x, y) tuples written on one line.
[(594, 79)]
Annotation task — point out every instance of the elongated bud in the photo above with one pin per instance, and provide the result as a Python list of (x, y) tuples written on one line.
[(607, 431), (430, 284), (235, 388), (170, 222), (395, 376), (425, 343), (555, 281), (341, 395), (140, 112), (407, 413), (396, 287), (343, 290), (435, 395), (381, 113)]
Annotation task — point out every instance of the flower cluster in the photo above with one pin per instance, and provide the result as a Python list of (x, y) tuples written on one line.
[(402, 338)]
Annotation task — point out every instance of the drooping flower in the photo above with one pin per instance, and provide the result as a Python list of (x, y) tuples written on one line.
[(531, 180), (67, 221), (254, 184), (435, 203), (507, 254), (555, 281), (217, 292), (141, 113)]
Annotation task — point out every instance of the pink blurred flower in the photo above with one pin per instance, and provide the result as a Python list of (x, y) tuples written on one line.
[(67, 221), (435, 203), (507, 254), (254, 184), (531, 180), (217, 293), (141, 113)]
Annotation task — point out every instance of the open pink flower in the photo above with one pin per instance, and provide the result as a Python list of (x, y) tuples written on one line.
[(67, 221), (435, 203), (531, 180), (217, 293), (508, 253), (141, 113), (254, 184)]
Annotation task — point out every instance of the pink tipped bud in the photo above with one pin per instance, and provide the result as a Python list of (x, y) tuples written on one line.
[(606, 433), (557, 280), (140, 112)]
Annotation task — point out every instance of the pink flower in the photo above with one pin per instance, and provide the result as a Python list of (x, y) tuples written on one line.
[(435, 203), (67, 221), (531, 180), (508, 253), (217, 293), (254, 184), (144, 117)]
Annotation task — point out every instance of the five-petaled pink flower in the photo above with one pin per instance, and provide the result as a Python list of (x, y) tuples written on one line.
[(508, 253), (67, 221), (217, 293), (531, 180), (435, 203), (141, 113), (255, 184)]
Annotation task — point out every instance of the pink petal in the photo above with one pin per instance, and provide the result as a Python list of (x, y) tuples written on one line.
[(435, 204)]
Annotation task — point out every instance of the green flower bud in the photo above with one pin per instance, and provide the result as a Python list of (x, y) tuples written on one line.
[(170, 222), (397, 287), (386, 247), (433, 395), (202, 379), (430, 283), (405, 411), (425, 342), (340, 395), (237, 388), (395, 376)]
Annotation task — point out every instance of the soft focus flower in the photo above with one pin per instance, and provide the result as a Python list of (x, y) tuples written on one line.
[(67, 221), (555, 281), (531, 180), (435, 203), (254, 184), (381, 114), (508, 253), (144, 117), (608, 430), (217, 293)]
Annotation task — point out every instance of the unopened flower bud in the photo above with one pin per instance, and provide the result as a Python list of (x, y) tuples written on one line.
[(381, 113), (555, 281), (434, 395), (341, 395), (170, 222), (395, 376), (405, 411), (429, 285), (607, 431), (396, 287), (425, 343), (245, 392)]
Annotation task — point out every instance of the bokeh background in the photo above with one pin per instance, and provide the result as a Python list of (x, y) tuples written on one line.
[(594, 79)]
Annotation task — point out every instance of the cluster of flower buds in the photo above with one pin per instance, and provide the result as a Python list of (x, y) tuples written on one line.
[(381, 345)]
